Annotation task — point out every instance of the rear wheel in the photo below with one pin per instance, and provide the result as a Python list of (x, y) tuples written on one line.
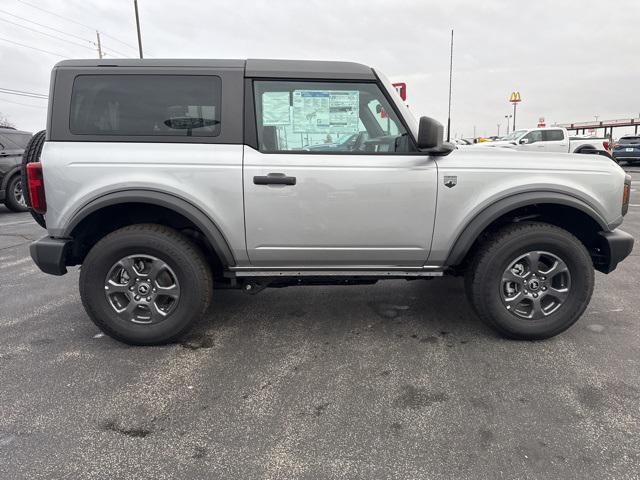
[(14, 199), (531, 281), (145, 284)]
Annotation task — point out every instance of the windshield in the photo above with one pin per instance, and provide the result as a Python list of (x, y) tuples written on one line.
[(514, 135)]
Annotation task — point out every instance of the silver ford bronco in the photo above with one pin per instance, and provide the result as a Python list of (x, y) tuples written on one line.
[(168, 179)]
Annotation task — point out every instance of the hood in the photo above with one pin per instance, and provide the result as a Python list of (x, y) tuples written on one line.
[(473, 156), (499, 143)]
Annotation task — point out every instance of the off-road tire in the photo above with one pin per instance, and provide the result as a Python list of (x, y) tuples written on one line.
[(32, 154), (483, 280), (10, 200), (171, 247)]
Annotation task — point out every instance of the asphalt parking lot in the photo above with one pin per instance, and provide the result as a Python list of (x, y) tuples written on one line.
[(396, 380)]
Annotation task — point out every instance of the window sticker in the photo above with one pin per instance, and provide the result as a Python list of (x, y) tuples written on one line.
[(325, 111), (276, 108)]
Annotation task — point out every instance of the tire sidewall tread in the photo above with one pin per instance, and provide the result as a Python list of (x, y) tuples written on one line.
[(32, 154)]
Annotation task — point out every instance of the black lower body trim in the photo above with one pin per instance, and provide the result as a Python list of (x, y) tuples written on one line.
[(615, 247), (49, 254)]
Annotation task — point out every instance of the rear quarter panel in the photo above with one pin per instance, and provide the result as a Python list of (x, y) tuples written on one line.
[(209, 176)]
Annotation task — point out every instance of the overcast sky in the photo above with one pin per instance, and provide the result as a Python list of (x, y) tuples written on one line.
[(570, 59)]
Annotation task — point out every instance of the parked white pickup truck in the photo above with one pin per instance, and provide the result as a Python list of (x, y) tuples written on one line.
[(550, 139)]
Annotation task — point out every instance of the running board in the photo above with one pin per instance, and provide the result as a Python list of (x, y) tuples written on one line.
[(337, 273)]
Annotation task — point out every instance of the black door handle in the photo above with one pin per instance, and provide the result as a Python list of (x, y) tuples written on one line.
[(274, 179)]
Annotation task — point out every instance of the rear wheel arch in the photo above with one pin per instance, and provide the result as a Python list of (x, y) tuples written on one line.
[(143, 206), (582, 148), (560, 209)]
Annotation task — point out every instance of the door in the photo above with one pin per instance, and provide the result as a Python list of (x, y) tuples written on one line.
[(335, 179), (12, 146), (555, 140), (531, 142)]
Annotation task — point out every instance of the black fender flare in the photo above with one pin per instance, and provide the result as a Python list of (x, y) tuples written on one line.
[(167, 200), (497, 209)]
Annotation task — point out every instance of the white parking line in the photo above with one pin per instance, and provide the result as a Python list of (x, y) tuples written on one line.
[(15, 223), (17, 262)]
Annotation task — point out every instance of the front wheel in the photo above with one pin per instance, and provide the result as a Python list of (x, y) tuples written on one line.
[(531, 281), (145, 284)]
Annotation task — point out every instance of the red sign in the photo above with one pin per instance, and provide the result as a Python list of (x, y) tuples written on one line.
[(401, 87), (541, 123)]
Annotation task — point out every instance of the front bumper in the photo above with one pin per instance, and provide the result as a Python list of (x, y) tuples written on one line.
[(49, 254), (614, 247)]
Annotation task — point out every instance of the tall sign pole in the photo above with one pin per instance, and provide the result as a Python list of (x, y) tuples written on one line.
[(515, 99), (135, 4), (450, 82)]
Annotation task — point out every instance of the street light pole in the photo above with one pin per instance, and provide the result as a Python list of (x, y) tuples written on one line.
[(135, 4), (450, 81)]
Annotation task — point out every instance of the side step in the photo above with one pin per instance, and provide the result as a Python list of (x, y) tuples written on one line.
[(336, 273)]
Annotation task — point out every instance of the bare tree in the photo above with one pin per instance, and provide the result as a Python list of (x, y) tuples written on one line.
[(5, 122)]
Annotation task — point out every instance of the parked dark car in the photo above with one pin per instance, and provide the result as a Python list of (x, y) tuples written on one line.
[(12, 145), (627, 149)]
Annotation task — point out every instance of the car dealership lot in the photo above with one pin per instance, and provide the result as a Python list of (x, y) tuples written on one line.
[(395, 380)]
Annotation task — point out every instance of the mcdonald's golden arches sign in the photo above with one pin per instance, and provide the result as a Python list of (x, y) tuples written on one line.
[(515, 97)]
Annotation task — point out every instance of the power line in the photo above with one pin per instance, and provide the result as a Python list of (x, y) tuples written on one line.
[(33, 48), (23, 104), (114, 50), (75, 21), (23, 93), (47, 34), (118, 40), (46, 26)]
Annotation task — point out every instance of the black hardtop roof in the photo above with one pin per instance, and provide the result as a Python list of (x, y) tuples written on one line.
[(256, 68)]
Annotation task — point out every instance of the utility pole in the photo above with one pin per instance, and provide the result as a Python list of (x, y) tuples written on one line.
[(507, 117), (498, 129), (100, 55), (450, 82), (135, 4)]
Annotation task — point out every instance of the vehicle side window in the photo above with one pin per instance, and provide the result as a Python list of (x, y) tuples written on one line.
[(534, 136), (327, 117), (14, 141), (553, 135), (146, 105)]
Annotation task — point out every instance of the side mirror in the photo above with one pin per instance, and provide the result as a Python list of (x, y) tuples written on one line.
[(524, 141), (430, 133)]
